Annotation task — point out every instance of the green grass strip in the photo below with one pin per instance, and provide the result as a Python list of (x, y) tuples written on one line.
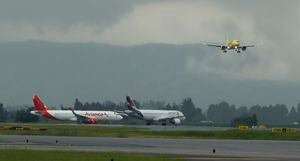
[(36, 155), (98, 131)]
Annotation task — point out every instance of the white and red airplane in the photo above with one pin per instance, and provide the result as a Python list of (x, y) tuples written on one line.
[(90, 117)]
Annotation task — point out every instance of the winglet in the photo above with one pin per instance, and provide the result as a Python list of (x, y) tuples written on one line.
[(73, 112), (226, 39)]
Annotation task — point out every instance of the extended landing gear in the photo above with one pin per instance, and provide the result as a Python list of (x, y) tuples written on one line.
[(224, 51), (238, 51)]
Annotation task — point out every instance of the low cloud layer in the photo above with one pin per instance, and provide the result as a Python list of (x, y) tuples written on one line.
[(272, 28)]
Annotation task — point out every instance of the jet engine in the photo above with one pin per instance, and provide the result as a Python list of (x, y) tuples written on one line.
[(244, 48), (175, 121), (223, 47), (90, 121)]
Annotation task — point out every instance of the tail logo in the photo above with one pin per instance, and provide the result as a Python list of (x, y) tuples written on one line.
[(42, 108), (38, 104), (130, 103), (131, 106)]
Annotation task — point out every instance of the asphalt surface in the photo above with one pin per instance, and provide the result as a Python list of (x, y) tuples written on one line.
[(193, 149)]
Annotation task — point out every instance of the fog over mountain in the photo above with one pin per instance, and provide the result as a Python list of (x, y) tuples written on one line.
[(98, 49), (61, 72)]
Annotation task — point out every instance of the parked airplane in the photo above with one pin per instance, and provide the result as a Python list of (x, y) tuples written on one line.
[(231, 45), (151, 116), (90, 117)]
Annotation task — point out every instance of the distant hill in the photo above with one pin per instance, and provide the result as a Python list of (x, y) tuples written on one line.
[(61, 72)]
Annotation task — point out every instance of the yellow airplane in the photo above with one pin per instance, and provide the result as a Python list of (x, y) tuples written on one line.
[(231, 45)]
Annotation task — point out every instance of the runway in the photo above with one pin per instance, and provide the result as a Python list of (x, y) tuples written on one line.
[(272, 150)]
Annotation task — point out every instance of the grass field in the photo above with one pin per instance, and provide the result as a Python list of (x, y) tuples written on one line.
[(31, 155), (99, 131)]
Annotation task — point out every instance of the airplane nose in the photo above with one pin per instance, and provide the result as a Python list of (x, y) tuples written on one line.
[(119, 117), (182, 116)]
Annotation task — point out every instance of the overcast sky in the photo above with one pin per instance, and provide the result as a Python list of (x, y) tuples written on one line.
[(272, 26)]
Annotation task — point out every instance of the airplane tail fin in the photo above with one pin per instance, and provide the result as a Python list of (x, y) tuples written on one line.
[(226, 39), (131, 106), (130, 103), (38, 104)]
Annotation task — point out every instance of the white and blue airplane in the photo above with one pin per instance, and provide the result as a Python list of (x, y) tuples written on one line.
[(151, 116)]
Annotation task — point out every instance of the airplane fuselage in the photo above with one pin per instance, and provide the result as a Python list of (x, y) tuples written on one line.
[(150, 115), (69, 116), (164, 116), (233, 44)]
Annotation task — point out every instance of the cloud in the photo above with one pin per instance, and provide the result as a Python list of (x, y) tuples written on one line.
[(182, 22), (239, 67), (275, 33), (175, 22), (50, 32), (60, 20), (178, 22), (65, 11)]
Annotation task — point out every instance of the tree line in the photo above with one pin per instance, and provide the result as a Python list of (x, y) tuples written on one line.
[(222, 112), (22, 115), (273, 114)]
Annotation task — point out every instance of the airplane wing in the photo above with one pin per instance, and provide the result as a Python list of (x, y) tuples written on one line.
[(84, 119), (246, 46), (215, 45), (164, 118), (134, 113), (160, 118), (122, 113), (79, 116)]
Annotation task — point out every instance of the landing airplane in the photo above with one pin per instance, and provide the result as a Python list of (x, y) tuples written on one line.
[(231, 45), (89, 117), (151, 116)]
